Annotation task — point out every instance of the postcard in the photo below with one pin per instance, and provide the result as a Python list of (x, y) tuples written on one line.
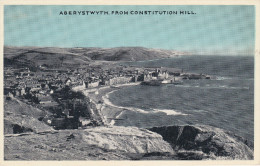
[(130, 83)]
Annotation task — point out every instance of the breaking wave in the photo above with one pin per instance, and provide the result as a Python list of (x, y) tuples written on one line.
[(208, 86), (166, 111)]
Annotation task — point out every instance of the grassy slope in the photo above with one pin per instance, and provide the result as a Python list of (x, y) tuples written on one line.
[(17, 112)]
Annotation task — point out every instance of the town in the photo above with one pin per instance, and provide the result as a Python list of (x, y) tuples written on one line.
[(52, 90)]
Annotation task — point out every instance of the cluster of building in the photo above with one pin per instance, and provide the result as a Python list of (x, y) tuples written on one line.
[(42, 83), (37, 87)]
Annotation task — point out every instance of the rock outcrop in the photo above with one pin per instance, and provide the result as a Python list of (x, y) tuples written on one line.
[(125, 139), (205, 142), (99, 143), (128, 143)]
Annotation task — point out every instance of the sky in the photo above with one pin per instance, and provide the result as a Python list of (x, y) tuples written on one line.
[(225, 30)]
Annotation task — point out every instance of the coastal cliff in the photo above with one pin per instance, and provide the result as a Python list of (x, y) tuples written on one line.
[(128, 143), (205, 142)]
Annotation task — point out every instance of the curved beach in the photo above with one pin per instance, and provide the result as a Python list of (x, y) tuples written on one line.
[(100, 96), (111, 112)]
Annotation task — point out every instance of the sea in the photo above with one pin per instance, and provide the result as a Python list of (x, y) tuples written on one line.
[(226, 101)]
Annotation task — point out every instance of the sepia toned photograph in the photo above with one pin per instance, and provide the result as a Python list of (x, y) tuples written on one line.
[(129, 82)]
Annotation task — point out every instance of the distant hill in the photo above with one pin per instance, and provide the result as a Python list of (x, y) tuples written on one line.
[(56, 57), (129, 53), (34, 57)]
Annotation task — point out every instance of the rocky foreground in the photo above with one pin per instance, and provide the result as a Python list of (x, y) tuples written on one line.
[(205, 142), (128, 143)]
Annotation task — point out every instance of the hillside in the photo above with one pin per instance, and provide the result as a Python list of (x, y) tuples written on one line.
[(129, 54), (128, 143), (21, 117), (34, 57), (57, 57), (100, 143)]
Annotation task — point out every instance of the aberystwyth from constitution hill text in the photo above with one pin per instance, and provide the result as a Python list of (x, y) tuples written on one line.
[(125, 13)]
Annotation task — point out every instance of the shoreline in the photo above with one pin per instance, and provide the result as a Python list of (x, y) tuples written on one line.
[(116, 115), (110, 112), (100, 97)]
